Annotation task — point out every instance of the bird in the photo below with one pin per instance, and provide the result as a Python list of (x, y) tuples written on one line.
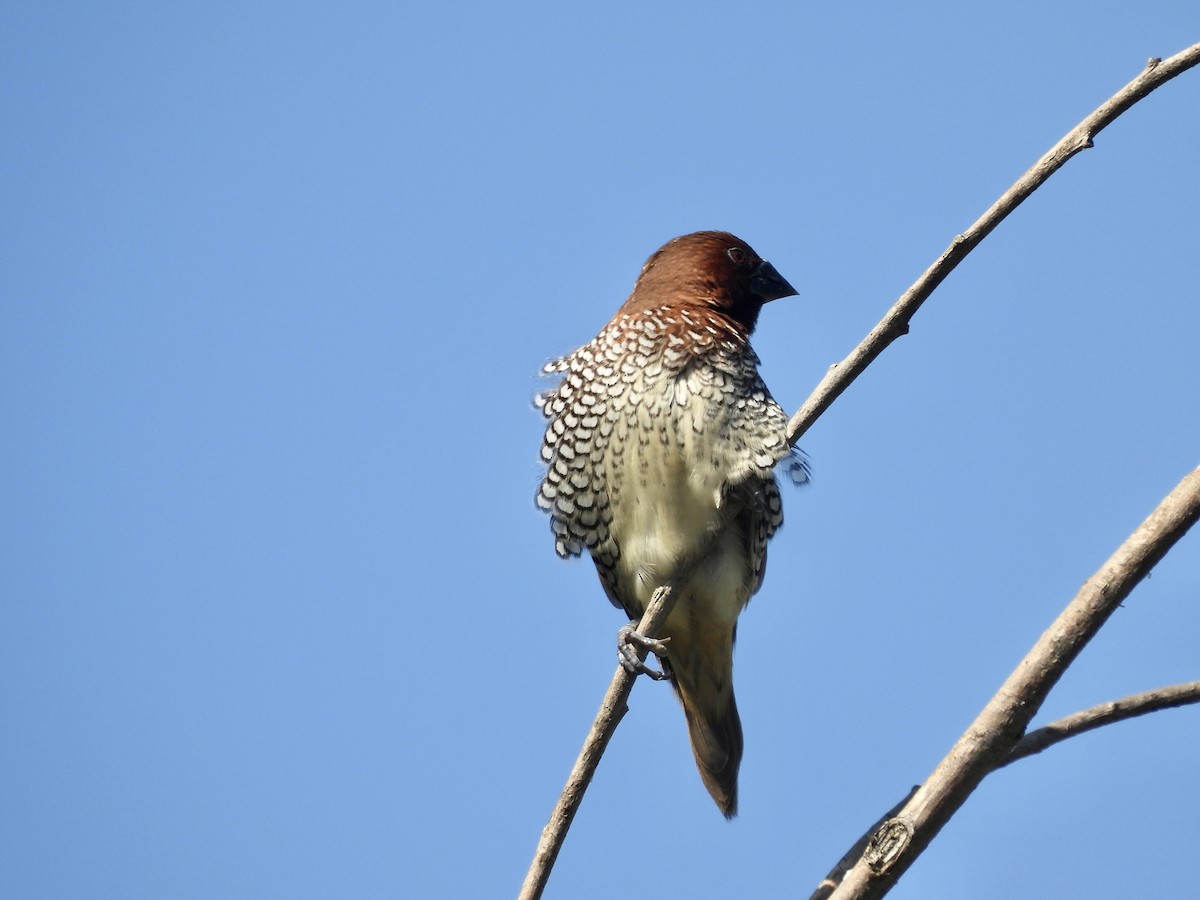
[(660, 453)]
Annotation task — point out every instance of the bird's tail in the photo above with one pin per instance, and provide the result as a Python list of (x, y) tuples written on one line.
[(703, 679)]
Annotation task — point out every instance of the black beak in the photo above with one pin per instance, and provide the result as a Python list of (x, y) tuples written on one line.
[(767, 284)]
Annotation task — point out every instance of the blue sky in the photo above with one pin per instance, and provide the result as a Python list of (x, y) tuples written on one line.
[(279, 616)]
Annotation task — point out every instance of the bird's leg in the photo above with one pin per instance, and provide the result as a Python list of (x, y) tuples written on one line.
[(628, 638)]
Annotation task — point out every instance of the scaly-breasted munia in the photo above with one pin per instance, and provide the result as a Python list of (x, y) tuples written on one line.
[(660, 450)]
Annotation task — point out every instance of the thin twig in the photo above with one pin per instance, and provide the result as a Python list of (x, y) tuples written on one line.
[(995, 732), (895, 322), (612, 709), (1103, 714)]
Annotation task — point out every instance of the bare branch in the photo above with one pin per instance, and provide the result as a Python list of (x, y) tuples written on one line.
[(838, 872), (895, 322), (1103, 714), (612, 709), (994, 733), (1035, 742)]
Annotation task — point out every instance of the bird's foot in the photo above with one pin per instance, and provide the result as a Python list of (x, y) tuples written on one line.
[(628, 640)]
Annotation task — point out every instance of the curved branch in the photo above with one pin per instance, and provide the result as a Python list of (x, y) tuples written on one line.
[(895, 322), (1103, 714), (996, 730), (1035, 742)]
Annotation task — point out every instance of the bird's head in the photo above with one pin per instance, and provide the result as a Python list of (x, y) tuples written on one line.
[(710, 269)]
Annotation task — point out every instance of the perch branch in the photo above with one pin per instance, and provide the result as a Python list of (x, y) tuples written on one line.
[(612, 709)]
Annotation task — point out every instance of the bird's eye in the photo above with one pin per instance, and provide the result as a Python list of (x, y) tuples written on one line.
[(737, 254)]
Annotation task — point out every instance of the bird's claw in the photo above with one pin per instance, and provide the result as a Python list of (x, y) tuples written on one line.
[(628, 640)]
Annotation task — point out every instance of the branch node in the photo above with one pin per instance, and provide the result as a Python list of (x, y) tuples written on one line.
[(1152, 63), (887, 844)]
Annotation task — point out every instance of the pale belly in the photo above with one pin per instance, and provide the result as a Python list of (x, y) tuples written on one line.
[(669, 509)]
